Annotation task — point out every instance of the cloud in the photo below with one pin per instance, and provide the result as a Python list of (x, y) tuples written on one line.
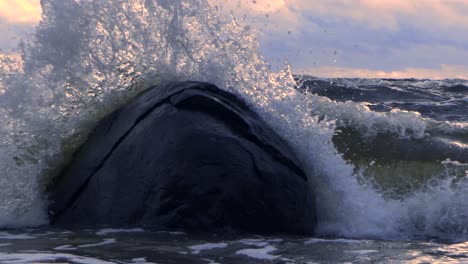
[(17, 18), (265, 15), (375, 38), (443, 72), (20, 11), (389, 14)]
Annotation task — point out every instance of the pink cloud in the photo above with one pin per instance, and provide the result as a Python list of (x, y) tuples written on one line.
[(443, 72), (20, 11), (389, 13)]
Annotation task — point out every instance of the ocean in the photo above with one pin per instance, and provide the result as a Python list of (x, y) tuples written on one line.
[(386, 158)]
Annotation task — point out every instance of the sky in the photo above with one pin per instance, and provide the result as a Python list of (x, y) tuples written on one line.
[(332, 38)]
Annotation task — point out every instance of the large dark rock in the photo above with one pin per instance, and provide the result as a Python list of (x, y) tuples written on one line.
[(185, 156)]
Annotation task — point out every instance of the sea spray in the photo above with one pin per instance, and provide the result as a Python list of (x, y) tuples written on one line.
[(87, 58)]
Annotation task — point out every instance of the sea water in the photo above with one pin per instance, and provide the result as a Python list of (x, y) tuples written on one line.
[(387, 159)]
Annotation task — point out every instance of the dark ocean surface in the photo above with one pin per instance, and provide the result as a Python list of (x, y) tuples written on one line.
[(442, 100)]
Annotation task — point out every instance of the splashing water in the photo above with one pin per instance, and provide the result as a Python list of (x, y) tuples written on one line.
[(87, 58)]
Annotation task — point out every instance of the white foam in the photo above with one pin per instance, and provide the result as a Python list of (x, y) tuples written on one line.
[(339, 240), (275, 240), (141, 261), (107, 231), (104, 242), (362, 251), (27, 258), (210, 261), (196, 249), (259, 253), (287, 260), (6, 235), (405, 124), (4, 244), (46, 234), (66, 247), (253, 242)]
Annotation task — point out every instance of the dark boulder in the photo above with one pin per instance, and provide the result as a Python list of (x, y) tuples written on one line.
[(185, 156)]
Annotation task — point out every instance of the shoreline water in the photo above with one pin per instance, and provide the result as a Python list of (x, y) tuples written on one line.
[(107, 245)]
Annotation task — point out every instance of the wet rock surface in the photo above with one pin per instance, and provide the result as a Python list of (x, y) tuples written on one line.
[(185, 156)]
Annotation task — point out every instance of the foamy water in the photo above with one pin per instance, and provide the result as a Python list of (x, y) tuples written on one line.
[(84, 246)]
